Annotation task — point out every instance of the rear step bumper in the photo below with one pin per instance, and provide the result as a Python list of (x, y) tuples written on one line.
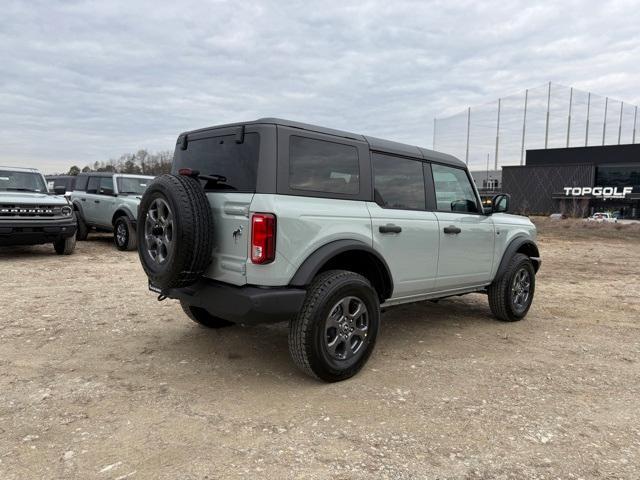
[(249, 305)]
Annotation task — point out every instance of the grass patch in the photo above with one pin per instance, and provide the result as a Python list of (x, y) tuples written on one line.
[(574, 228)]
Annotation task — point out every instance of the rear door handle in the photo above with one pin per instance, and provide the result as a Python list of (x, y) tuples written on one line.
[(390, 228), (96, 201), (452, 229)]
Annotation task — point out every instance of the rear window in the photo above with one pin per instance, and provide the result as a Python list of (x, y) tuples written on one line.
[(237, 162), (321, 166)]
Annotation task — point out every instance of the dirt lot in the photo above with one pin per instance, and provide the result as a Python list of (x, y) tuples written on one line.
[(99, 380)]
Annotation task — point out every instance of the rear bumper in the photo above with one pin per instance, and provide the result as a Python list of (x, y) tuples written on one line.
[(35, 231), (247, 304)]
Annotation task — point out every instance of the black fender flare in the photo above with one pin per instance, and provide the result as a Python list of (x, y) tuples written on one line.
[(514, 246), (314, 262), (127, 212), (77, 206)]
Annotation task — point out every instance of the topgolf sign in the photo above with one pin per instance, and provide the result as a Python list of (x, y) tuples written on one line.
[(602, 192)]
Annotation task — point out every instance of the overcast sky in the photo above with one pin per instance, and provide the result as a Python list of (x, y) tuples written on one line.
[(86, 81)]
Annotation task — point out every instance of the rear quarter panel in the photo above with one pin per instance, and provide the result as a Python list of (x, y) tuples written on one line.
[(305, 224)]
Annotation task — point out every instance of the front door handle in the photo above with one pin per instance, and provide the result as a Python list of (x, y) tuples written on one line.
[(96, 201), (390, 228), (83, 199), (452, 229)]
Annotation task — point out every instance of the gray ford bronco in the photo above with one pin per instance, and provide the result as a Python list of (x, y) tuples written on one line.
[(31, 215), (109, 202), (274, 220)]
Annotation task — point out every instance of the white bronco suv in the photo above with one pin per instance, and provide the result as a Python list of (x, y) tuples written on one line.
[(275, 220)]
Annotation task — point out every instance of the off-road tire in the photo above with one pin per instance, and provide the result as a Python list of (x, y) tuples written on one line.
[(307, 329), (82, 231), (204, 318), (65, 246), (192, 231), (500, 291), (131, 239)]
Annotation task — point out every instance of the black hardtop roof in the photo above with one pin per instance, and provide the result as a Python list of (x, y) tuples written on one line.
[(375, 144)]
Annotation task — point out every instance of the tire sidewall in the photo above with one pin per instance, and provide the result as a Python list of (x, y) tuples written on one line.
[(321, 362), (517, 265)]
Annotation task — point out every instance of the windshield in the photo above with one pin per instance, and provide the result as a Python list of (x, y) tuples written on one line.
[(11, 181), (222, 155), (133, 185)]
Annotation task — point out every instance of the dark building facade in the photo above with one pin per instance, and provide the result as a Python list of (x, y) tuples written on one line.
[(577, 181)]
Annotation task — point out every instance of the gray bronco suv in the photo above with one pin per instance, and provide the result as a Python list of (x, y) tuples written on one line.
[(109, 202), (274, 220), (31, 215)]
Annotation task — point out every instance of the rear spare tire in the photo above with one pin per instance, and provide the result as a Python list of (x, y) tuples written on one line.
[(174, 231)]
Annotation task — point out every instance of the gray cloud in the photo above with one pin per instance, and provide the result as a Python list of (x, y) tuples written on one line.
[(86, 81)]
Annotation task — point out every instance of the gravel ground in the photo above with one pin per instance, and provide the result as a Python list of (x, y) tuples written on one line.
[(99, 380)]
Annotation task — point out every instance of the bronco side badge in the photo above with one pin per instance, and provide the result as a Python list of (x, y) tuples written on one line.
[(237, 233)]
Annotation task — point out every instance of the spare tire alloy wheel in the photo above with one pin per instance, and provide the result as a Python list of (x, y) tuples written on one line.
[(158, 227), (175, 237)]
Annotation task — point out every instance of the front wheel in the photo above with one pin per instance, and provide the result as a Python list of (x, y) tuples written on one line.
[(65, 246), (335, 332), (511, 295)]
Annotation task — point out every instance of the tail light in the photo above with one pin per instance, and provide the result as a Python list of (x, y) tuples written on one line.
[(263, 238)]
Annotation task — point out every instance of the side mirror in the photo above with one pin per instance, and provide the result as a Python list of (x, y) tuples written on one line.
[(500, 203), (59, 190)]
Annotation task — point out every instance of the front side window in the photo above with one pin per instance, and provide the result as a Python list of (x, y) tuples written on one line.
[(454, 192), (133, 185), (11, 181), (321, 166), (398, 182)]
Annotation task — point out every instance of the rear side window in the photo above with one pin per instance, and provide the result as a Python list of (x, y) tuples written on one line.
[(321, 166), (237, 162), (106, 186), (92, 185), (454, 192), (81, 183), (398, 182)]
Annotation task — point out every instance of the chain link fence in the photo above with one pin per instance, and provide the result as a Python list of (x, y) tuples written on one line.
[(550, 116)]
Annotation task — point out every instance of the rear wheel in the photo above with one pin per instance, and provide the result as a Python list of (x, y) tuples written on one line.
[(124, 235), (511, 295), (65, 246), (335, 332), (204, 318)]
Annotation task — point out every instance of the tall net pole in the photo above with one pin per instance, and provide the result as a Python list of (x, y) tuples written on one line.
[(498, 134), (635, 118), (466, 155), (586, 135), (524, 125), (546, 127), (620, 123), (604, 125), (569, 117)]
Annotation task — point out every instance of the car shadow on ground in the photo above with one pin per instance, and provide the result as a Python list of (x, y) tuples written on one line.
[(263, 349), (26, 251)]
